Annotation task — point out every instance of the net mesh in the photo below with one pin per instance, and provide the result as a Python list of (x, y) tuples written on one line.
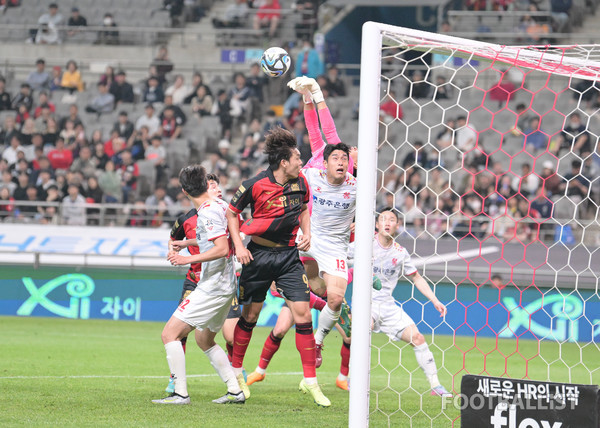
[(490, 155)]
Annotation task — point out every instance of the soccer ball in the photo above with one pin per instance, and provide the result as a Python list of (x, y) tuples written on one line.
[(275, 62)]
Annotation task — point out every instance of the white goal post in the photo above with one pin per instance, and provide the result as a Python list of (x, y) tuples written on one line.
[(550, 60)]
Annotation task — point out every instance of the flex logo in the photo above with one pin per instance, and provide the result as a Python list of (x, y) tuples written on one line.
[(564, 310), (78, 286)]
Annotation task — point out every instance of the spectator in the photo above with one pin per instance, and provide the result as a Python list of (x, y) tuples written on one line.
[(418, 87), (150, 120), (175, 8), (502, 90), (52, 132), (129, 174), (5, 103), (100, 158), (76, 20), (527, 183), (124, 126), (109, 36), (71, 78), (114, 145), (104, 102), (8, 130), (73, 207), (56, 79), (7, 182), (442, 90), (179, 114), (239, 95), (154, 200), (7, 205), (43, 100), (121, 89), (535, 139), (335, 86), (94, 195), (162, 64), (309, 20), (466, 135), (235, 16), (73, 116), (268, 16), (41, 123), (153, 92), (497, 281), (178, 90), (138, 142), (50, 213), (20, 191), (110, 183), (308, 62), (157, 154), (108, 77), (222, 109), (197, 81), (50, 20), (578, 186), (47, 35), (576, 137), (138, 217), (560, 15), (43, 182), (84, 163), (202, 102), (22, 116), (10, 153), (23, 97), (60, 157), (390, 109), (171, 125), (39, 79), (32, 211)]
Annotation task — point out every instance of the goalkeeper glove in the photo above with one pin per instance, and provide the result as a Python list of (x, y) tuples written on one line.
[(296, 85), (376, 283), (310, 84)]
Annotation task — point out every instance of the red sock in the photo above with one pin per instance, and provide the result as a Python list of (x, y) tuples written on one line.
[(271, 346), (229, 351), (316, 302), (345, 353), (305, 343), (241, 338), (183, 342)]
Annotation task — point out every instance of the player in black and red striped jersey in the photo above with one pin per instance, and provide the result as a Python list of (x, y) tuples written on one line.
[(183, 235), (278, 198)]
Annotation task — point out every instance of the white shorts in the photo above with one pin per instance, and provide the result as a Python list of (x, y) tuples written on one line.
[(389, 318), (330, 261), (202, 310)]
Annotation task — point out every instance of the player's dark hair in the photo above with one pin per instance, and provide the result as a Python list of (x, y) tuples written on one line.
[(330, 148), (193, 180), (213, 177), (279, 145), (390, 209)]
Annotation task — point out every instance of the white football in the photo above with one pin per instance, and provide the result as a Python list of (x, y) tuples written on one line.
[(275, 62)]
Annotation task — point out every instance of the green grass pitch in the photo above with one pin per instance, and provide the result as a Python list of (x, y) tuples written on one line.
[(59, 372)]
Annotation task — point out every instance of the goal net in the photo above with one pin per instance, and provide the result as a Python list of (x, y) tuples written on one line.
[(490, 156)]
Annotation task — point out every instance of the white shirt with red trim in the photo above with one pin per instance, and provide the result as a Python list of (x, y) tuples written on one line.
[(388, 265), (217, 276), (333, 208)]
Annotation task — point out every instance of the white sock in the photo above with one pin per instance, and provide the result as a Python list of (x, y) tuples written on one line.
[(342, 377), (260, 371), (176, 361), (220, 362), (327, 321), (427, 363), (310, 380)]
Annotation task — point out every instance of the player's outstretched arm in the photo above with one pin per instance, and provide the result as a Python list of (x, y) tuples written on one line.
[(221, 249), (310, 115), (233, 224), (179, 245), (424, 288)]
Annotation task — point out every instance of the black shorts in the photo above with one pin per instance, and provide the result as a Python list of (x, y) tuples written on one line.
[(279, 264), (188, 287), (235, 310)]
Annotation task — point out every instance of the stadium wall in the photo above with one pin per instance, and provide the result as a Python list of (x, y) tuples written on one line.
[(140, 295)]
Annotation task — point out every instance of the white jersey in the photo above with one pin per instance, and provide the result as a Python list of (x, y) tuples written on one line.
[(333, 208), (388, 265), (217, 276)]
